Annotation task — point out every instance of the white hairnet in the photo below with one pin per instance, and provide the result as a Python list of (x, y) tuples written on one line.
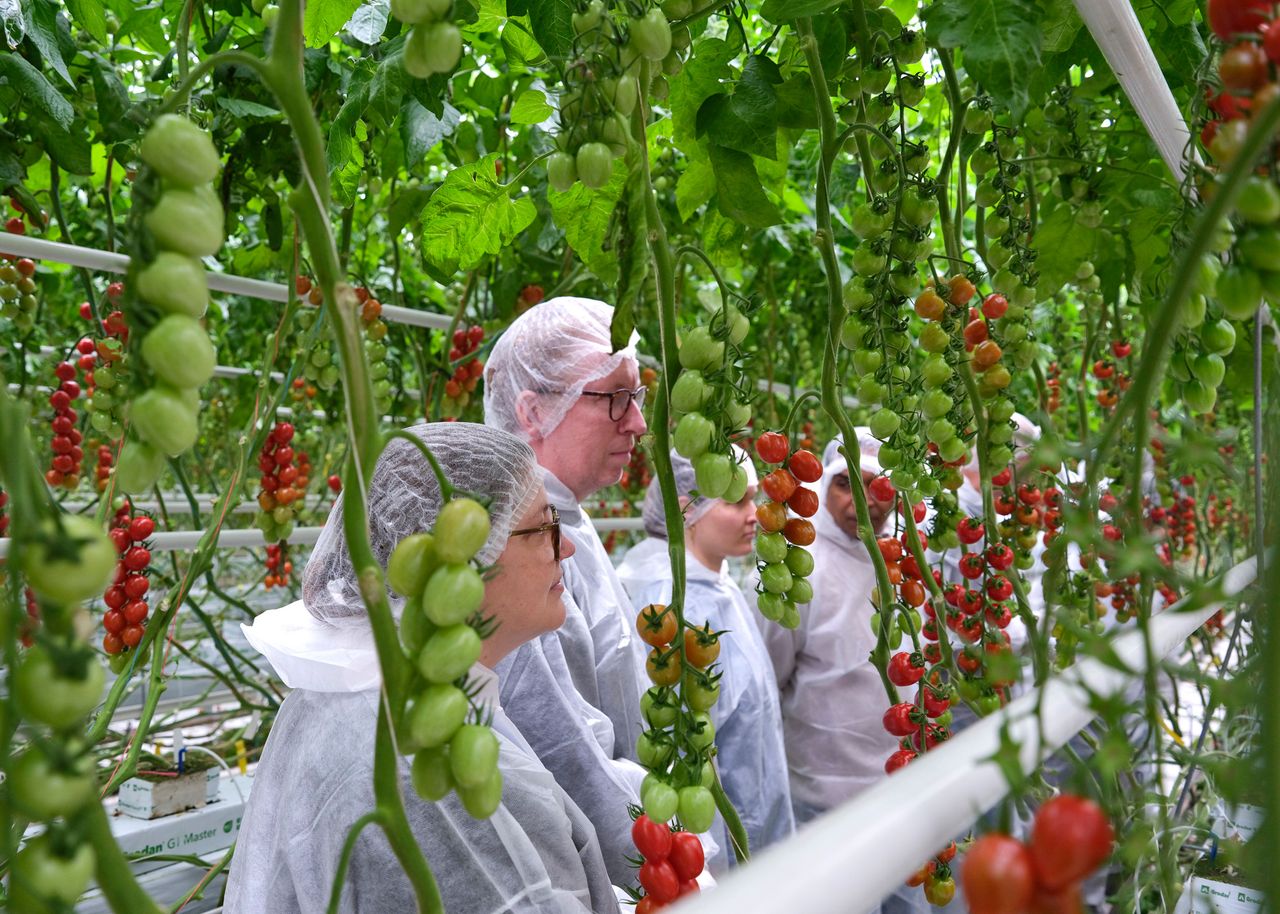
[(655, 519), (833, 464), (551, 352), (404, 498)]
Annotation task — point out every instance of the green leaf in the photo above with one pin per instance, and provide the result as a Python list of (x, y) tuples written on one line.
[(241, 107), (738, 192), (631, 291), (113, 103), (36, 92), (323, 19), (747, 120), (472, 216), (1063, 243), (368, 23), (88, 15), (585, 217), (421, 130), (795, 103), (999, 40), (42, 29), (696, 185), (1059, 23), (531, 108), (786, 10), (699, 79), (344, 122), (407, 207), (519, 44), (552, 23)]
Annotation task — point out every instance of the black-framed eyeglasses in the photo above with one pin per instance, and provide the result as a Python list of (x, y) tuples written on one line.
[(620, 400), (553, 526)]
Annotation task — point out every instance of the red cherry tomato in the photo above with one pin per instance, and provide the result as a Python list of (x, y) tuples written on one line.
[(804, 502), (652, 839), (660, 881), (1070, 838), (773, 447), (881, 489), (779, 485), (686, 857), (805, 466)]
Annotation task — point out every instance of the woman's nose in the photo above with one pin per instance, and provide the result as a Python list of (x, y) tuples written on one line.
[(567, 548)]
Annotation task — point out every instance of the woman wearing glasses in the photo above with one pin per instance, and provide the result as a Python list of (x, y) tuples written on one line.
[(537, 852), (554, 380), (748, 724)]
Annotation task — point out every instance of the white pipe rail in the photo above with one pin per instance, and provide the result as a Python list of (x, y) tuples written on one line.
[(107, 262), (1119, 35), (858, 853)]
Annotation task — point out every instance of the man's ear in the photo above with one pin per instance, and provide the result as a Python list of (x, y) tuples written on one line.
[(529, 414)]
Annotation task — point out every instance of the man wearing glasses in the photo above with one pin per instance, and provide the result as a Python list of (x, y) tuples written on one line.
[(553, 380)]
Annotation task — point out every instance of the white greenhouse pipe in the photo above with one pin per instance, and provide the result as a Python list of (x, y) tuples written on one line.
[(1115, 28), (186, 540), (858, 853), (105, 261)]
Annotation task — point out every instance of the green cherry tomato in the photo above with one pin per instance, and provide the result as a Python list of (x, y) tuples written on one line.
[(53, 697), (703, 732), (776, 578), (1200, 398), (75, 567), (473, 755), (651, 35), (411, 564), (689, 392), (432, 775), (595, 164), (165, 418), (799, 561), (1209, 369), (437, 713), (772, 547), (1239, 291), (884, 422), (178, 351), (187, 221), (800, 591), (660, 800), (700, 351), (562, 171), (175, 284), (659, 707), (449, 653), (432, 48), (45, 874), (654, 749), (412, 12), (697, 808), (700, 695), (483, 800), (1259, 248), (714, 473), (737, 414), (693, 435), (44, 792), (415, 627), (461, 529), (933, 338), (1219, 337), (452, 594), (138, 468), (180, 151), (1259, 200)]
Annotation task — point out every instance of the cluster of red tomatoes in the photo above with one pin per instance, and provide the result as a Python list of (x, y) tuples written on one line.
[(1030, 513), (1070, 838), (1114, 380), (285, 476), (1053, 383), (1244, 70), (785, 564), (529, 296), (673, 860), (279, 568), (125, 598), (467, 369), (939, 884), (106, 383), (64, 468)]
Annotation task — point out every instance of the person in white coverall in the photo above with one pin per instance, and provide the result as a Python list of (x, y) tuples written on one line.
[(750, 756), (833, 701), (553, 380), (538, 852)]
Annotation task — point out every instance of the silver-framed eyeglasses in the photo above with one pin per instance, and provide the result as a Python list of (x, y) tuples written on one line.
[(620, 400)]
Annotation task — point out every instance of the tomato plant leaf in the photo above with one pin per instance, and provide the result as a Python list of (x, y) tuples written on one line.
[(115, 115), (36, 91), (472, 216), (42, 28), (696, 185), (518, 43), (628, 244), (406, 208), (421, 130), (585, 216), (700, 78), (531, 108), (746, 120), (738, 192), (369, 22), (552, 24), (242, 107), (999, 40), (323, 18), (1062, 242), (787, 10), (89, 16)]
